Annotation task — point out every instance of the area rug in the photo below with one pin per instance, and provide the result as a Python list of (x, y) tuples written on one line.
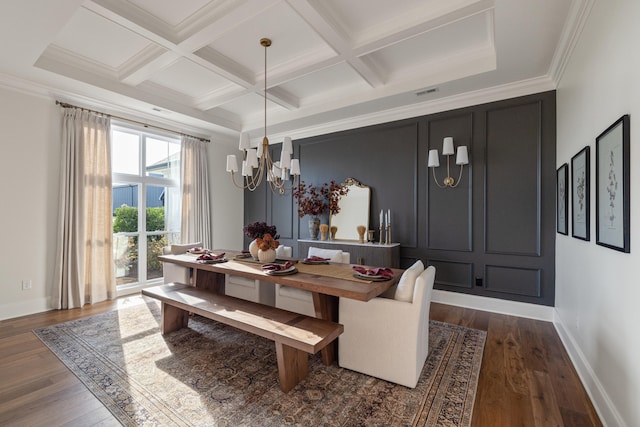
[(211, 374)]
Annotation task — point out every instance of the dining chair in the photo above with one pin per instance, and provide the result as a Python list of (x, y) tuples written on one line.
[(255, 290), (299, 300), (388, 338), (173, 273)]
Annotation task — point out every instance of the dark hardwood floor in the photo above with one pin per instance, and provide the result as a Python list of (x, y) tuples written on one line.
[(526, 378)]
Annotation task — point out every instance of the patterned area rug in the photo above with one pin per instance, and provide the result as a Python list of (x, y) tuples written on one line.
[(211, 374)]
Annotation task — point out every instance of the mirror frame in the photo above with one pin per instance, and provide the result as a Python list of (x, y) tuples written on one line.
[(350, 232)]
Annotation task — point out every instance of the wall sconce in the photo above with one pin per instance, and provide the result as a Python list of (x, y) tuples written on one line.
[(462, 158)]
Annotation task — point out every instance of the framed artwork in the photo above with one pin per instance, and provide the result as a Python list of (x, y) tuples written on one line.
[(562, 202), (612, 186), (580, 194)]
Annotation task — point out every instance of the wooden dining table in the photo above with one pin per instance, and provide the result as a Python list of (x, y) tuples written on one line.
[(327, 283)]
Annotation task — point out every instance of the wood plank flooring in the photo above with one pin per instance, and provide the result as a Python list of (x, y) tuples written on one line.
[(526, 378)]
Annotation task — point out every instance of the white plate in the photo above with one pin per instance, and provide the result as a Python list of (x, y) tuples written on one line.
[(197, 252), (372, 278), (212, 261), (289, 270)]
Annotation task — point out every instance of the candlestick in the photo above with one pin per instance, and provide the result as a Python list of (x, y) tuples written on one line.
[(388, 234), (381, 233)]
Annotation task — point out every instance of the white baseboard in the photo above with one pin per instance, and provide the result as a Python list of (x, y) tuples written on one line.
[(605, 408), (494, 305), (24, 308)]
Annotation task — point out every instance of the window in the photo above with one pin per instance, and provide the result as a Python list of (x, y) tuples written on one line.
[(146, 202)]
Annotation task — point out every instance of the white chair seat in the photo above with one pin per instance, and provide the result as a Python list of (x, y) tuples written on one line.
[(173, 273), (387, 338), (255, 290), (299, 300)]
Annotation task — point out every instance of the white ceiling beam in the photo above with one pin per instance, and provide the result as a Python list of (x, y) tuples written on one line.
[(326, 27)]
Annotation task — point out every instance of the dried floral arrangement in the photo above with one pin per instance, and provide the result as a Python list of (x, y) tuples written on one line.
[(259, 229), (316, 200)]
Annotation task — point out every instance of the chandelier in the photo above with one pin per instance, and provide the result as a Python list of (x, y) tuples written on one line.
[(257, 162)]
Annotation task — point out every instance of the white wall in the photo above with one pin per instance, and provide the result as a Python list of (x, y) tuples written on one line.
[(30, 130), (598, 289), (227, 201)]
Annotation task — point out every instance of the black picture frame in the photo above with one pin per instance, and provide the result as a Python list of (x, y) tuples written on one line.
[(581, 194), (612, 186), (562, 200)]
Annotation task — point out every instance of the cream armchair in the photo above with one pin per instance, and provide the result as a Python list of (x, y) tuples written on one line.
[(299, 300), (255, 290), (387, 338), (174, 273)]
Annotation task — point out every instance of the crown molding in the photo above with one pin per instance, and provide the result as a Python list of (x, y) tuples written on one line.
[(467, 99), (578, 14)]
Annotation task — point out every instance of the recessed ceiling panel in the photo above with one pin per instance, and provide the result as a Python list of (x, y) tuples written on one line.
[(356, 19), (190, 78), (291, 36), (339, 80), (171, 12), (465, 35), (251, 107), (99, 39)]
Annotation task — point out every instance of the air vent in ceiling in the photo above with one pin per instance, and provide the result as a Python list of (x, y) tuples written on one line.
[(427, 91)]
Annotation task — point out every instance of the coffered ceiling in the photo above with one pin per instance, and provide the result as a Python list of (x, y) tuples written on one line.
[(333, 64)]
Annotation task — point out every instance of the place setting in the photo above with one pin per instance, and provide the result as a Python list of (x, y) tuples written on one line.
[(211, 258), (278, 269), (378, 274), (315, 260)]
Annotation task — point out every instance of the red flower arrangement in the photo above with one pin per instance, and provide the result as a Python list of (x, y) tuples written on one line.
[(315, 201), (260, 229)]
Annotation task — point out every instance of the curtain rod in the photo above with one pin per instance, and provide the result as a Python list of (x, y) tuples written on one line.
[(66, 105)]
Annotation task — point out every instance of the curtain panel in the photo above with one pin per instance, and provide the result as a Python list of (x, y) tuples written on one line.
[(196, 215), (84, 262)]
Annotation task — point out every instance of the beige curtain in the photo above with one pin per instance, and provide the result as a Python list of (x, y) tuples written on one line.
[(196, 215), (84, 264)]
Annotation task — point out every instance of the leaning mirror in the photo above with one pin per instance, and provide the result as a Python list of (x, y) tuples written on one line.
[(354, 211)]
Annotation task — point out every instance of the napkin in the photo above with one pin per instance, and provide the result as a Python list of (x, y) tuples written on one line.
[(210, 257), (277, 267), (378, 271), (316, 259)]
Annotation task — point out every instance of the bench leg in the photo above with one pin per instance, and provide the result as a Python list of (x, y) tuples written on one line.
[(173, 318), (293, 366)]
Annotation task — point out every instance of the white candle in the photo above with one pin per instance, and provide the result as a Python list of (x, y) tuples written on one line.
[(386, 220), (389, 216), (380, 217)]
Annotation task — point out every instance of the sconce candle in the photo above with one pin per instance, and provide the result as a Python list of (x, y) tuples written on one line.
[(462, 158)]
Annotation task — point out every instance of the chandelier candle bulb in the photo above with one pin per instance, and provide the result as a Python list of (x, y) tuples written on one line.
[(232, 163), (287, 146), (244, 141), (295, 167)]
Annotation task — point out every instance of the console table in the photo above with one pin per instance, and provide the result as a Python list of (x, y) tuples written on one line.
[(372, 254)]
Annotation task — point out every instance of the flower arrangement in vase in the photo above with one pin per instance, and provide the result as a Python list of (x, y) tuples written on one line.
[(258, 230), (316, 200)]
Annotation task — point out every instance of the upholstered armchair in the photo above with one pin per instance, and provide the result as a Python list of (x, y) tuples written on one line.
[(299, 300), (388, 338), (255, 290), (174, 273)]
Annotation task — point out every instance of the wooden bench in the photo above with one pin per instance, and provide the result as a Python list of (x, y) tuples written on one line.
[(295, 335)]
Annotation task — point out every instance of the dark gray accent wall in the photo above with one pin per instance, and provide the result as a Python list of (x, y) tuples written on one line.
[(493, 235)]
